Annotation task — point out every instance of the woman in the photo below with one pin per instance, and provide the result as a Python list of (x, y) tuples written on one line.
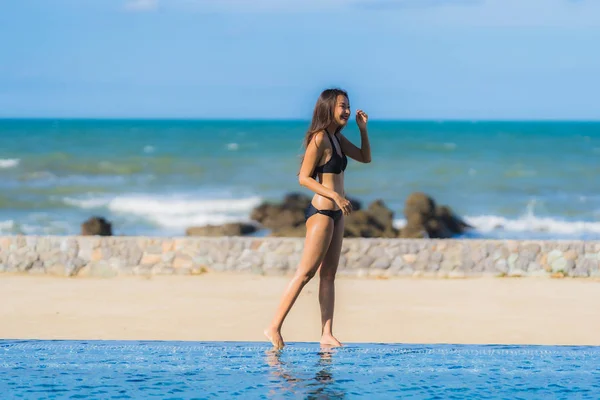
[(325, 159)]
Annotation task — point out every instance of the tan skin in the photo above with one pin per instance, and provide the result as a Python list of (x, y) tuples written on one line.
[(323, 242)]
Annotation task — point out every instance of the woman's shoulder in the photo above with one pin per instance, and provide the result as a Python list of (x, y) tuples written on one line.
[(319, 138)]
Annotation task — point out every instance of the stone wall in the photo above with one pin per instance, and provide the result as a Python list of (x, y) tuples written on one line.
[(113, 256)]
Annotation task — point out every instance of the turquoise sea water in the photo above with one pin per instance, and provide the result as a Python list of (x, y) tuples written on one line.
[(197, 370), (157, 177)]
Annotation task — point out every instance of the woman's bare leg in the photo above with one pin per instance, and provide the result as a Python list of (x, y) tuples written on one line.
[(327, 284), (319, 230)]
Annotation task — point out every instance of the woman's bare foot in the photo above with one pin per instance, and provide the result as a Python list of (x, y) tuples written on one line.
[(274, 337), (330, 341)]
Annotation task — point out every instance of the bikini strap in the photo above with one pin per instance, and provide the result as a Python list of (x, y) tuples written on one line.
[(330, 139), (333, 145)]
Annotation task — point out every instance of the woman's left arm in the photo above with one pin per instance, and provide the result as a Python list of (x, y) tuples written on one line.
[(362, 154)]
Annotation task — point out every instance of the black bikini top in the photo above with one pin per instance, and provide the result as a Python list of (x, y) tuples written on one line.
[(336, 164)]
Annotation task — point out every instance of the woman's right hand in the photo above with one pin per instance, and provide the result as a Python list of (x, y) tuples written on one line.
[(343, 204)]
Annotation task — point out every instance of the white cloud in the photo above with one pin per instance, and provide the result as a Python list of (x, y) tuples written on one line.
[(141, 5)]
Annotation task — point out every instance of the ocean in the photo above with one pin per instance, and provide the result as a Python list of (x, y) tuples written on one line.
[(511, 180)]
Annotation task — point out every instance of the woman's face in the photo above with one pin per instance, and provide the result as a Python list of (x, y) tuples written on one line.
[(341, 112)]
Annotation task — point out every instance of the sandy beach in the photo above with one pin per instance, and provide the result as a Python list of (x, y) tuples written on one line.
[(234, 307)]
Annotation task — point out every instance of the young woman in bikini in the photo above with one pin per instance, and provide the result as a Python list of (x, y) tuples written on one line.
[(322, 172)]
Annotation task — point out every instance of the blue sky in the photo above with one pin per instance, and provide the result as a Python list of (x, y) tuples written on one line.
[(399, 59)]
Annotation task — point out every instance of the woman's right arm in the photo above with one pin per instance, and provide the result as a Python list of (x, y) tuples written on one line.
[(314, 152)]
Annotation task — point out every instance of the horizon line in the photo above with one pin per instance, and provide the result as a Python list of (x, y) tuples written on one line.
[(236, 119)]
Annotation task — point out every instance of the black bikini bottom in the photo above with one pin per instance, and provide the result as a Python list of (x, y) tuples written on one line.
[(333, 214)]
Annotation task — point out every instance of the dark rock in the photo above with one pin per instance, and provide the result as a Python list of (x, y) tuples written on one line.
[(96, 226), (425, 219), (382, 215), (455, 224), (418, 210), (290, 213), (374, 222), (295, 201)]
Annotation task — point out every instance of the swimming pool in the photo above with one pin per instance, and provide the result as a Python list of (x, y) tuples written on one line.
[(185, 370)]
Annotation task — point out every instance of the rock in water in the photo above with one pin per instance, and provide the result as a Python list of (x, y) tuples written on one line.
[(418, 210), (96, 226), (383, 215), (288, 214), (374, 222), (455, 224), (425, 219)]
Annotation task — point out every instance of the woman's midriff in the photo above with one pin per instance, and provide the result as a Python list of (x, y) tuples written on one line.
[(334, 182)]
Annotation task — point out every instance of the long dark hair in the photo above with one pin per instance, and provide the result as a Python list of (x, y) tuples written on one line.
[(322, 114)]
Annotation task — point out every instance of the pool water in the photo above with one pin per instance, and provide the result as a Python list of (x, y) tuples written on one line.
[(204, 370)]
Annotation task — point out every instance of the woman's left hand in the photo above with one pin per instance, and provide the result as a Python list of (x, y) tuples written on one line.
[(361, 119)]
